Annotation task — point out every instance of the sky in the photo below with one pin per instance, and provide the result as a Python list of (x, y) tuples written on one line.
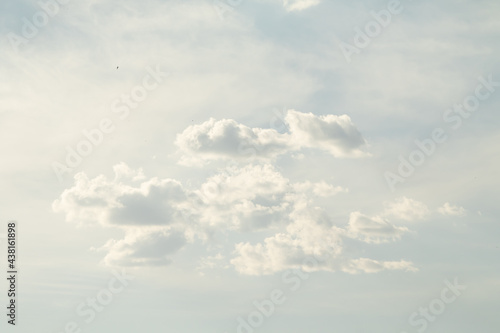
[(251, 166)]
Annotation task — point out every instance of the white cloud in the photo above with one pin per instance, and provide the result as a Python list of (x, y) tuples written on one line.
[(335, 134), (311, 243), (144, 247), (160, 216), (113, 202), (255, 197), (247, 199), (450, 210), (321, 189), (373, 229), (406, 209), (227, 139), (304, 241), (366, 265), (298, 5)]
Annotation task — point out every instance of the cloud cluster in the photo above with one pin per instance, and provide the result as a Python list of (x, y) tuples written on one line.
[(248, 198), (161, 216), (227, 139), (312, 243)]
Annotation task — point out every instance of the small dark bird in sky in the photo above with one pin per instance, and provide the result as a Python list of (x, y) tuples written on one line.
[(116, 67)]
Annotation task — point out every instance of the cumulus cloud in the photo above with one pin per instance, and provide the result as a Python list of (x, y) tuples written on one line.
[(227, 139), (312, 243), (335, 134), (450, 210), (406, 209), (248, 198), (114, 202), (304, 239), (162, 215)]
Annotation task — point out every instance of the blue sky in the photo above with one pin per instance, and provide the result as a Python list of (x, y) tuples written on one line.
[(333, 162)]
